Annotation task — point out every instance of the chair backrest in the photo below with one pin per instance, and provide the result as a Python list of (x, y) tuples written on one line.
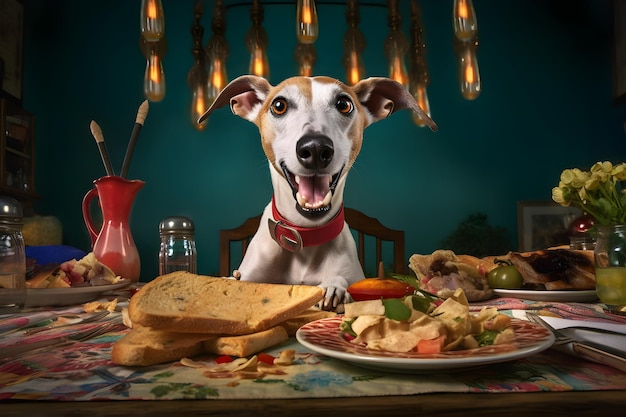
[(364, 228), (242, 234)]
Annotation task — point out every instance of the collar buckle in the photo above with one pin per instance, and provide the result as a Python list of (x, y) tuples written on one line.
[(287, 237)]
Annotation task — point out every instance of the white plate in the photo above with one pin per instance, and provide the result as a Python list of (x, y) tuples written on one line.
[(560, 296), (323, 336), (37, 297)]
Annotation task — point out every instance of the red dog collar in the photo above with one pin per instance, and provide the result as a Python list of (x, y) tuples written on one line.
[(292, 238)]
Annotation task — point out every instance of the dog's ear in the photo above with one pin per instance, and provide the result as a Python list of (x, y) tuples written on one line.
[(243, 93), (383, 96)]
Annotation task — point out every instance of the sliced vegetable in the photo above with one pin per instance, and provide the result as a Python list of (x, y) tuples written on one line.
[(376, 288), (422, 304), (431, 345), (395, 309), (487, 337), (266, 358), (223, 359), (346, 327)]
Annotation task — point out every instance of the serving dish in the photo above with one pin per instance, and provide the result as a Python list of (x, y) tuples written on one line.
[(558, 296), (323, 336), (39, 297)]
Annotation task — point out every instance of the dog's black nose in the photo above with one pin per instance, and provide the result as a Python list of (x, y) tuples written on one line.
[(315, 151)]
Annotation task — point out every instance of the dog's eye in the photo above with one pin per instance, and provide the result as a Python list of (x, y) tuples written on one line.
[(279, 106), (344, 105)]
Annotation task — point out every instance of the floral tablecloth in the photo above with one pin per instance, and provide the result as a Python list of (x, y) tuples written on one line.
[(83, 372)]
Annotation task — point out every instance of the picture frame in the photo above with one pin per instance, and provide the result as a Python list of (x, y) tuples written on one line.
[(11, 48), (543, 224)]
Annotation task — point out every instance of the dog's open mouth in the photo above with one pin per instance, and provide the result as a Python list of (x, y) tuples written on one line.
[(312, 193)]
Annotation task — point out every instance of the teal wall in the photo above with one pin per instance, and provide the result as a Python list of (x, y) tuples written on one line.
[(546, 105)]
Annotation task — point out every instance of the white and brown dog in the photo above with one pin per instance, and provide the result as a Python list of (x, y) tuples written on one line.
[(311, 132)]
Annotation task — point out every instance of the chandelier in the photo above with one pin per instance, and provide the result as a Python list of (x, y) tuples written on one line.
[(208, 75)]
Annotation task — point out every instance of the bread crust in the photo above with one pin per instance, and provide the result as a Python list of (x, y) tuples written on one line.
[(183, 302), (243, 346), (143, 346)]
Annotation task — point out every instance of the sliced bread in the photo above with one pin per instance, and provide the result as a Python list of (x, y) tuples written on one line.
[(143, 346), (249, 344), (183, 302)]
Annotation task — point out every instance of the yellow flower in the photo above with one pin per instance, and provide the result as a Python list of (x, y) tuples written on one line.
[(593, 183), (558, 195), (605, 166), (619, 172), (599, 191)]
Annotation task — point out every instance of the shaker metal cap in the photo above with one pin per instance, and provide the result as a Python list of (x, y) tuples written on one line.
[(10, 210), (176, 224)]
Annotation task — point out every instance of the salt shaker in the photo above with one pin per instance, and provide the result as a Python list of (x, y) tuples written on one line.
[(178, 245), (12, 256)]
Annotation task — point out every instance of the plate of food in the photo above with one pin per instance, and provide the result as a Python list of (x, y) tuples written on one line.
[(565, 296), (324, 336), (52, 297)]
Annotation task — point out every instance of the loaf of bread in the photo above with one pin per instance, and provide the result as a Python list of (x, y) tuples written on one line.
[(183, 302)]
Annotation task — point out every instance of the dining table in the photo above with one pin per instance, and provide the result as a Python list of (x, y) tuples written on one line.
[(51, 372)]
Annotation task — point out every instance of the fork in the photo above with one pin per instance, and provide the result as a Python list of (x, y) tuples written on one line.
[(87, 319), (13, 352), (592, 351), (560, 338)]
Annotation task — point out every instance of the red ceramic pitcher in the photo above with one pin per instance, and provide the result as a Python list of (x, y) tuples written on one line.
[(113, 244)]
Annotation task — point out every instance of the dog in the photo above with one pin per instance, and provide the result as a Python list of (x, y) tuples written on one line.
[(311, 131)]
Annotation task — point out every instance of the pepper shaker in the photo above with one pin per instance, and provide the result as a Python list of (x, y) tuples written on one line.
[(12, 256), (178, 245)]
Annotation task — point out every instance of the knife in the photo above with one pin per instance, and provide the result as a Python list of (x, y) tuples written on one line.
[(592, 351)]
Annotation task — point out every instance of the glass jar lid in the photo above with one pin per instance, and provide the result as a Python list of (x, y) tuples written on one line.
[(176, 224), (10, 210)]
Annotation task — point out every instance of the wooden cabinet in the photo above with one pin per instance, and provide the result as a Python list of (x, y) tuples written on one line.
[(17, 153)]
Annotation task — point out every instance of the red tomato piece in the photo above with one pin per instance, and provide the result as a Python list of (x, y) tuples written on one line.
[(431, 345), (265, 358), (223, 359), (376, 288)]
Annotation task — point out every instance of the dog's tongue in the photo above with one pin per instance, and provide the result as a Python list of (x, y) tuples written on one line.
[(313, 191)]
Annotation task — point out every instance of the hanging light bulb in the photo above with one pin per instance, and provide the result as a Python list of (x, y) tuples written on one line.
[(200, 96), (154, 77), (464, 20), (420, 78), (197, 76), (217, 52), (421, 96), (305, 55), (256, 40), (468, 73), (307, 27), (353, 45), (152, 20), (396, 46)]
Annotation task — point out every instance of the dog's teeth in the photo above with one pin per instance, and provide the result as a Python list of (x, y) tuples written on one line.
[(301, 201), (297, 178), (327, 198)]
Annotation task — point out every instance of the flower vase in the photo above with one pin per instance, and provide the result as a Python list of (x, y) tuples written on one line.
[(610, 260)]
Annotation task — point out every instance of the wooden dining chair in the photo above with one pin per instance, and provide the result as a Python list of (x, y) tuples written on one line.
[(369, 228), (231, 238), (370, 236)]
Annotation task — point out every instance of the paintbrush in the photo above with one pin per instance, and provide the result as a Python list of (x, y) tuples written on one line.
[(141, 117), (97, 134)]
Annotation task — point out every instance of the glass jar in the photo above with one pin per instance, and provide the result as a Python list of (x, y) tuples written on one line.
[(12, 256), (178, 245), (610, 259)]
